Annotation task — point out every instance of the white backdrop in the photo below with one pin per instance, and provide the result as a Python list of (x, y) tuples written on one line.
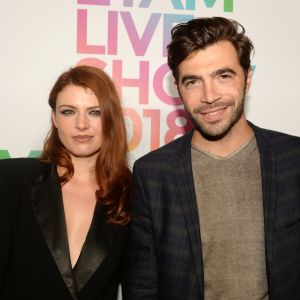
[(41, 39)]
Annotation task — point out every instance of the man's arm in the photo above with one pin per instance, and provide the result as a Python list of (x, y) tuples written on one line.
[(142, 274)]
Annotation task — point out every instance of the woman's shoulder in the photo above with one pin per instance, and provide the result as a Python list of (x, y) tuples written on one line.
[(20, 162), (18, 166)]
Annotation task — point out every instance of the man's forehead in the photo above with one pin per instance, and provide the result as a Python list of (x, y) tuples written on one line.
[(218, 56)]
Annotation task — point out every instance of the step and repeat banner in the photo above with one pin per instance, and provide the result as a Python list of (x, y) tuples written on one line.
[(128, 38)]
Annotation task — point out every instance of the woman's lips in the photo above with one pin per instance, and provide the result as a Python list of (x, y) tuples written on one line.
[(82, 138)]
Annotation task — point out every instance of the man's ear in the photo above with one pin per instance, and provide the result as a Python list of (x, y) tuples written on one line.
[(177, 87), (249, 79)]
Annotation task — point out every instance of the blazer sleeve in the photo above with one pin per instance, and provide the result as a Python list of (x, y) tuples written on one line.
[(5, 221), (142, 274)]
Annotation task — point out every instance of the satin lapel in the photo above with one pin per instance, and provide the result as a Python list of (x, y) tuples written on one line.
[(269, 187), (98, 241), (47, 203), (186, 189)]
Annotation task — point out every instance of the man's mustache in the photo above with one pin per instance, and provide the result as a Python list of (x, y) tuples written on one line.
[(205, 107)]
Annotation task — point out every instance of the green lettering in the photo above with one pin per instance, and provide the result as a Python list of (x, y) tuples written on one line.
[(228, 4), (4, 154), (34, 153)]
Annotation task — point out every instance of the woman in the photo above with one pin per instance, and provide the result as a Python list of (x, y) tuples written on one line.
[(64, 216)]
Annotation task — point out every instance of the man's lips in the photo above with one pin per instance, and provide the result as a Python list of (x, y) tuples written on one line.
[(82, 138), (212, 113)]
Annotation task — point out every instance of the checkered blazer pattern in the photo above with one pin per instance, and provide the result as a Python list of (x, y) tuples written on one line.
[(165, 259)]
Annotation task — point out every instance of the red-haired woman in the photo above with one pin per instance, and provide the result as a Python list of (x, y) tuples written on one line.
[(64, 217)]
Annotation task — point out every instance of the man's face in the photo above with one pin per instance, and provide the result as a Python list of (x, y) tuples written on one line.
[(212, 85)]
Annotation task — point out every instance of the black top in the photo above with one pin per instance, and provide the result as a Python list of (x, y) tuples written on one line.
[(34, 258)]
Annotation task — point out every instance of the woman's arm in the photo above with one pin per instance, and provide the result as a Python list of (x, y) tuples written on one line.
[(5, 220)]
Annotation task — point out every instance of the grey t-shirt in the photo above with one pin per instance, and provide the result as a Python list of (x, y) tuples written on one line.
[(230, 206)]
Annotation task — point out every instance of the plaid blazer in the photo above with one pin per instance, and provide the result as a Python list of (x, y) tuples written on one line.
[(165, 259)]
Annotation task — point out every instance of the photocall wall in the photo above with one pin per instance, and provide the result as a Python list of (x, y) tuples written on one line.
[(128, 39)]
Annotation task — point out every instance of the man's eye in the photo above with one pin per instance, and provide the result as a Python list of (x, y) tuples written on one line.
[(191, 83), (225, 76)]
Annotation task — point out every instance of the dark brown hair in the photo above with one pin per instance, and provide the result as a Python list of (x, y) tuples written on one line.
[(112, 173), (199, 33)]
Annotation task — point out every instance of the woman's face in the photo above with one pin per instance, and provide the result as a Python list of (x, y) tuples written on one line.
[(77, 118)]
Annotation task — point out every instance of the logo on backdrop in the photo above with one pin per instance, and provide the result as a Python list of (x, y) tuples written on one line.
[(125, 41), (128, 39)]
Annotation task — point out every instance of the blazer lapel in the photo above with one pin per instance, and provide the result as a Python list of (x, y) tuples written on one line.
[(186, 189), (269, 190), (46, 199), (95, 248)]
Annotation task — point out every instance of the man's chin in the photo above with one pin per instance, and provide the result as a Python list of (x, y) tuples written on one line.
[(218, 130), (212, 134)]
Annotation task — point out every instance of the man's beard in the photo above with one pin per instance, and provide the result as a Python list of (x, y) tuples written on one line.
[(216, 132)]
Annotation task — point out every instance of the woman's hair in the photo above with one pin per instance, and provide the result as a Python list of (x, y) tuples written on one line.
[(199, 33), (112, 173)]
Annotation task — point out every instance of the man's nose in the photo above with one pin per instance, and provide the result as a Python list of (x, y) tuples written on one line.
[(211, 93)]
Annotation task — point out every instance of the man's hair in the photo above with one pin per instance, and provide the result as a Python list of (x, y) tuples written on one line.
[(199, 33)]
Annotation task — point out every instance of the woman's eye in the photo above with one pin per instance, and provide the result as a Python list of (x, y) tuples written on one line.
[(67, 112), (95, 112)]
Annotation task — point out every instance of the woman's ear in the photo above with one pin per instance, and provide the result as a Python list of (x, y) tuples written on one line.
[(53, 117)]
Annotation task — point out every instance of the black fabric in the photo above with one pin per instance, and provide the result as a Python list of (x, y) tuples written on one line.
[(34, 257)]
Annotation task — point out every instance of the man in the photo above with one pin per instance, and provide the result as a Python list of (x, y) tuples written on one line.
[(216, 213)]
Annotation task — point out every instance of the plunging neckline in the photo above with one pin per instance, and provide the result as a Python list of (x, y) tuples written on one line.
[(46, 200)]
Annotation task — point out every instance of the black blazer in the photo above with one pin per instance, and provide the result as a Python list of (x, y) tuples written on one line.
[(165, 253), (34, 256)]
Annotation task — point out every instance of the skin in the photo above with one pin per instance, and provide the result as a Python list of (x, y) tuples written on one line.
[(78, 120), (213, 85)]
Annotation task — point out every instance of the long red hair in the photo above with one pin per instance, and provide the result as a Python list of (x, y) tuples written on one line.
[(112, 172)]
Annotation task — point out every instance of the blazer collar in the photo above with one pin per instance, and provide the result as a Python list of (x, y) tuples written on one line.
[(268, 175), (269, 188), (95, 248), (47, 203), (187, 195)]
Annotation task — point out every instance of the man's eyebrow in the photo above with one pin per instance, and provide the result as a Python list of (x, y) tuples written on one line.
[(214, 73), (224, 70), (190, 77)]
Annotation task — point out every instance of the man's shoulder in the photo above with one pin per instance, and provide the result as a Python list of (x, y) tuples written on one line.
[(276, 138), (283, 146), (168, 152)]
